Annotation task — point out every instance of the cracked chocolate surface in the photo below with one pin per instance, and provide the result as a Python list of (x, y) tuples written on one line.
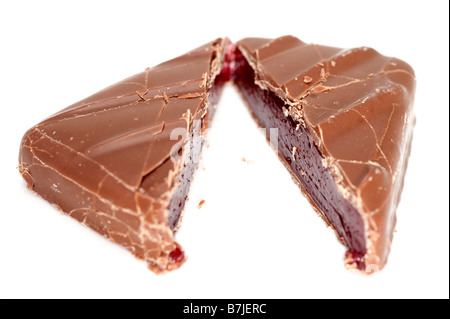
[(108, 160), (357, 106)]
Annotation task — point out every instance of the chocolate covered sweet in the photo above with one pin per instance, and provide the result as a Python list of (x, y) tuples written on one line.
[(344, 120), (121, 161)]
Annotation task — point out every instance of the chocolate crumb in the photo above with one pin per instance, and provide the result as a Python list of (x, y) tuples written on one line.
[(307, 79), (294, 151), (247, 161)]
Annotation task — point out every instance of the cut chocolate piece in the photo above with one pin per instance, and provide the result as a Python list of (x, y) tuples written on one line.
[(345, 126), (121, 161)]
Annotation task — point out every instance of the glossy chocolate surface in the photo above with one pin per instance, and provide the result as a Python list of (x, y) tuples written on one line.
[(115, 160), (357, 107)]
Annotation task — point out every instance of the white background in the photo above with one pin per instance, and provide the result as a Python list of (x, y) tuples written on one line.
[(256, 235)]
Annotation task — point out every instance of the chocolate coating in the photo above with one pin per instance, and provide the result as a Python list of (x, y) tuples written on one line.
[(118, 159), (357, 107)]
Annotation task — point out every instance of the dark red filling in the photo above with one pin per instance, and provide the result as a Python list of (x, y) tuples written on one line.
[(176, 255), (306, 163)]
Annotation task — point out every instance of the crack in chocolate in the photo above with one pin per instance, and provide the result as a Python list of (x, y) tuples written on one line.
[(57, 120), (376, 138), (137, 83), (110, 174)]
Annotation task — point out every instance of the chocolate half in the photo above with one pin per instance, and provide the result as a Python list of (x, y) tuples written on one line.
[(121, 161), (344, 120)]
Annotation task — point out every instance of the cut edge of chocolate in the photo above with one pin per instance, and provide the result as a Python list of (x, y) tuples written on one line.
[(286, 157), (191, 150), (275, 65)]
